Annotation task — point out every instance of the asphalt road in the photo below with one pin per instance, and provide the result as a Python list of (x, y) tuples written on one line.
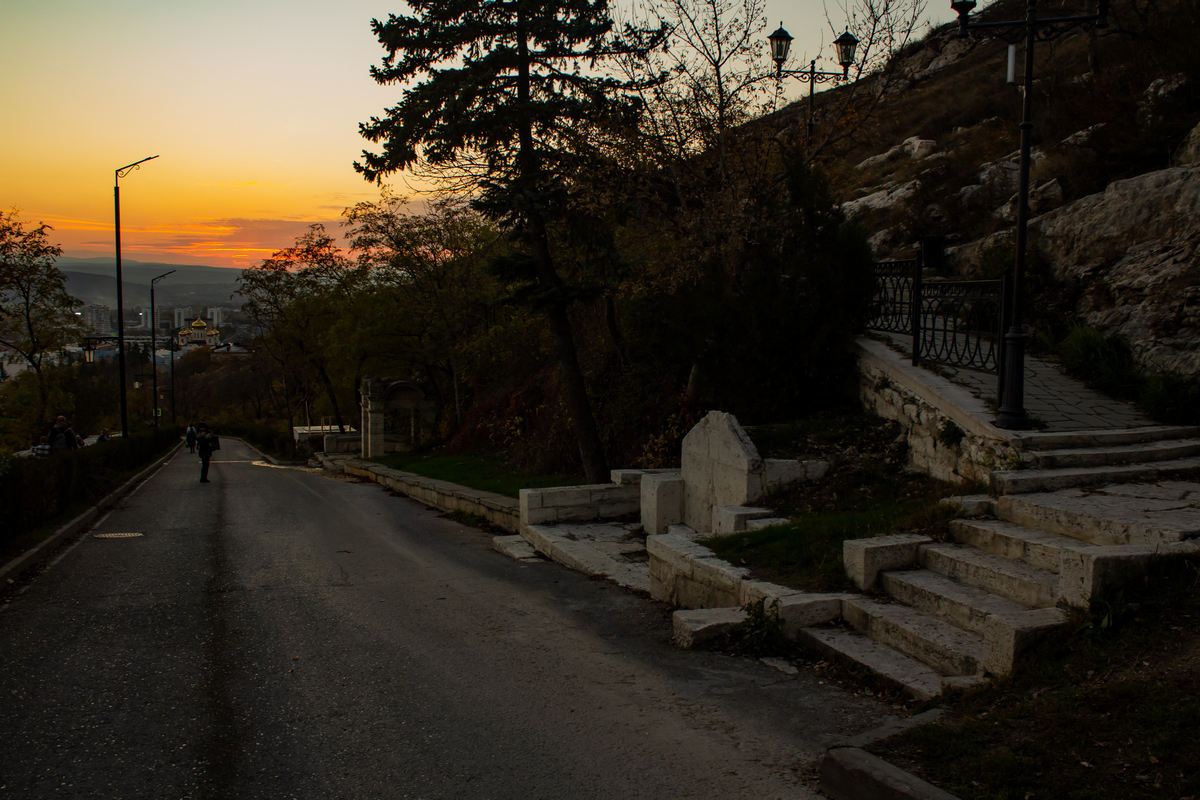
[(277, 634)]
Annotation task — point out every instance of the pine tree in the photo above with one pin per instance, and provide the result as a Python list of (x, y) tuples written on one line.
[(500, 98)]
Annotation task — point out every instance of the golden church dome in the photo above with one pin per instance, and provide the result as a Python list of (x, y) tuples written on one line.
[(199, 324)]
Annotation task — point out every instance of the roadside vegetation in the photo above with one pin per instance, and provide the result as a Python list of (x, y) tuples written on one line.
[(866, 493), (1110, 710), (483, 471)]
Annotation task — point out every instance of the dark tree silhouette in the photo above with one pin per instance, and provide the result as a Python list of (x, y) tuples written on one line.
[(499, 101)]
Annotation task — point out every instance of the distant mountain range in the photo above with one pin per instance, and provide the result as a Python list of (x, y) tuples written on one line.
[(93, 280)]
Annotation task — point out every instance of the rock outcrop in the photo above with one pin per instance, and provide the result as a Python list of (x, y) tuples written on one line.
[(1134, 252)]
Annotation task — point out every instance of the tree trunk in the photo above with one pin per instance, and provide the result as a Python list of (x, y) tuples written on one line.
[(329, 390)]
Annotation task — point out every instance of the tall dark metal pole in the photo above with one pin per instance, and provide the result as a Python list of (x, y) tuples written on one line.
[(1011, 414), (120, 309), (120, 173), (154, 346), (172, 374)]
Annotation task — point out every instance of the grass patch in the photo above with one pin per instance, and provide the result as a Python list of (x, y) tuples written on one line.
[(481, 471), (866, 493), (806, 553), (1109, 710)]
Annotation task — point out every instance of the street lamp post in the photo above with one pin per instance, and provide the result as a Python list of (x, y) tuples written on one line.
[(1011, 414), (781, 42), (121, 173), (154, 344)]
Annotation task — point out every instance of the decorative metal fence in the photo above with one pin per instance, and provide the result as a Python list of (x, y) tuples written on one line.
[(960, 324), (892, 310), (954, 323)]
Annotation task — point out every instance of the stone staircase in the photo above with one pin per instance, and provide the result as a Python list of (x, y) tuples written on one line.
[(1051, 461), (945, 614)]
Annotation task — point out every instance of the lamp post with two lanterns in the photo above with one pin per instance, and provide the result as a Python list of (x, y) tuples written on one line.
[(1011, 413), (781, 43)]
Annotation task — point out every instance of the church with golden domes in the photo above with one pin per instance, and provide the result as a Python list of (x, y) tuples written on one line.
[(198, 334)]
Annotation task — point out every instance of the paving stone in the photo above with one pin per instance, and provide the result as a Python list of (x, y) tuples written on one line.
[(514, 547), (700, 626)]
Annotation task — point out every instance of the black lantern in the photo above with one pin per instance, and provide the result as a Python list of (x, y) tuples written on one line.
[(781, 42), (89, 353), (846, 44)]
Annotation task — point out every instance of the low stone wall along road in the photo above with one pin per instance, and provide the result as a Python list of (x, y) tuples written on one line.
[(279, 634)]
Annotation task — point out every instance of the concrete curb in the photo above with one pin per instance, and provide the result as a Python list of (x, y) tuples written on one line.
[(38, 553), (850, 773)]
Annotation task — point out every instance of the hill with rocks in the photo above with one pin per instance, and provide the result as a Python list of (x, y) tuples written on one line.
[(1115, 169)]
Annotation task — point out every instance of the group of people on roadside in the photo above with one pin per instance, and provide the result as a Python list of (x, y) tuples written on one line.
[(202, 440), (62, 437)]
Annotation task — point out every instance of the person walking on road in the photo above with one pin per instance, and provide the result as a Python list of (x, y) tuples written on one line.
[(190, 437), (61, 437), (207, 443)]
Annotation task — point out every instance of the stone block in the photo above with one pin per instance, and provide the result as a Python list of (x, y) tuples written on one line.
[(971, 505), (719, 574), (720, 466), (567, 496), (661, 501), (685, 532), (804, 610), (779, 472), (731, 519), (513, 547), (866, 558), (614, 494), (627, 477), (753, 591), (528, 499), (697, 627), (815, 469), (1085, 572), (1007, 636)]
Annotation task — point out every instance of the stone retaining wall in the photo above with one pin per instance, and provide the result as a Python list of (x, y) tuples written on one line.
[(497, 509), (944, 439), (579, 503)]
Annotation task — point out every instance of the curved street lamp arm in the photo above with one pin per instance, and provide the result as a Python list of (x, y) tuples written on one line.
[(123, 171)]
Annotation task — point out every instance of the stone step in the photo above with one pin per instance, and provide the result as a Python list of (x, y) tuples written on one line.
[(947, 649), (1115, 515), (1142, 453), (1024, 481), (1014, 580), (1037, 440), (1038, 548), (895, 669), (961, 605)]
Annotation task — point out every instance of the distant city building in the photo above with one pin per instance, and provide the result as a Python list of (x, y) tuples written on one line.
[(217, 315), (98, 319), (182, 315)]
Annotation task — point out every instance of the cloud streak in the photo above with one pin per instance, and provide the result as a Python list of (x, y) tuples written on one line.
[(234, 242)]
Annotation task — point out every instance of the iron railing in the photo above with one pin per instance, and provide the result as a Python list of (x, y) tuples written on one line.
[(953, 323), (892, 308)]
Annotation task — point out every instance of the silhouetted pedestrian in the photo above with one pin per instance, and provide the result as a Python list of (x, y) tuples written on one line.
[(42, 448), (207, 443), (61, 437), (190, 437)]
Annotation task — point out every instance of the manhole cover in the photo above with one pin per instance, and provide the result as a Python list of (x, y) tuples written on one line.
[(115, 535)]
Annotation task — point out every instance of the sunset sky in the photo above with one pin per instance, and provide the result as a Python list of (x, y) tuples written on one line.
[(252, 106)]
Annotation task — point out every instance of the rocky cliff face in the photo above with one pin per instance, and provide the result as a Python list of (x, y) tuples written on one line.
[(1133, 253)]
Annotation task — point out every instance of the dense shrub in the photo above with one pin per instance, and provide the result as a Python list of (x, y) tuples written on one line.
[(37, 491), (1107, 363)]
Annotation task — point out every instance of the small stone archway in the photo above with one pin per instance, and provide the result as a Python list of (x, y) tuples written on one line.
[(378, 395)]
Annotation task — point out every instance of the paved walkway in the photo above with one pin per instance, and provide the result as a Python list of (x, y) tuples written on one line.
[(1061, 402)]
